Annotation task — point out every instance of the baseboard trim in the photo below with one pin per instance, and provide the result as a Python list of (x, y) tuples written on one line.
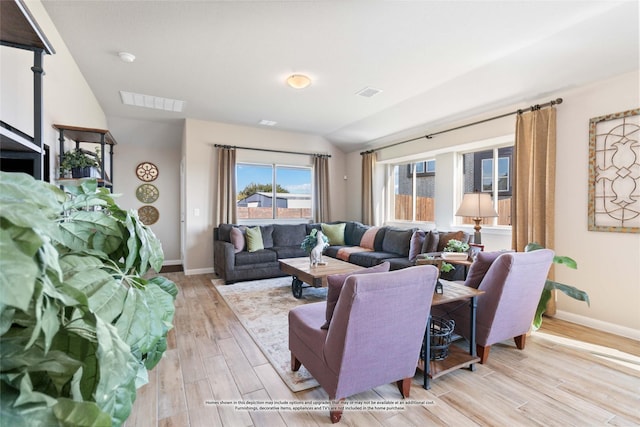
[(195, 271), (172, 262), (599, 324)]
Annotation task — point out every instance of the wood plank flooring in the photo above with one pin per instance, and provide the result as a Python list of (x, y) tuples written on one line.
[(568, 375)]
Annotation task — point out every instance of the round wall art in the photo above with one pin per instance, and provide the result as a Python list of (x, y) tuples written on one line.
[(147, 193), (147, 171), (148, 215)]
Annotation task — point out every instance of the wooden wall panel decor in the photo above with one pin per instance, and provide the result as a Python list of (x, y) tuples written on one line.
[(614, 172)]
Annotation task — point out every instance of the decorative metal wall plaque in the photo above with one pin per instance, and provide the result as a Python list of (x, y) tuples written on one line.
[(147, 193), (147, 171), (614, 172), (148, 215)]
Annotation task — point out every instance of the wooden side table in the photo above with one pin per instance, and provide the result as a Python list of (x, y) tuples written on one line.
[(457, 357)]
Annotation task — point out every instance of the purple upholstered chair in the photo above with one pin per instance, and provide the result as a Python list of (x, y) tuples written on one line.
[(513, 283), (373, 338)]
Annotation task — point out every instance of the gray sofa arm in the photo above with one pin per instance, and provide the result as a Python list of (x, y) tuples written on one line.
[(224, 258)]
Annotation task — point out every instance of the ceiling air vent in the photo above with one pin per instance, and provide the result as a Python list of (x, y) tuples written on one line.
[(149, 101), (368, 92)]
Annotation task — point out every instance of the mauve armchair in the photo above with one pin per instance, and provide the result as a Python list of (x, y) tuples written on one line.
[(513, 283), (373, 338)]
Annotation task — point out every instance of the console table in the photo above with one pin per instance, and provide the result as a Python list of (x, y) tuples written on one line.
[(457, 357)]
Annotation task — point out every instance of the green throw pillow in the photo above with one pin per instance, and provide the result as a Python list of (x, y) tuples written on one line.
[(253, 237), (335, 233)]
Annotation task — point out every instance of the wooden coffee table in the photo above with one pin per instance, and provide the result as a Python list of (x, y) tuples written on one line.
[(302, 272)]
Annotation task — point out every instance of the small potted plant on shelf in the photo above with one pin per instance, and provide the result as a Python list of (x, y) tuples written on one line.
[(78, 162)]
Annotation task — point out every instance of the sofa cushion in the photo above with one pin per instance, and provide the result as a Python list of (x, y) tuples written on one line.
[(368, 239), (288, 251), (397, 241), (353, 232), (415, 245), (369, 259), (224, 232), (480, 266), (237, 239), (288, 234), (335, 233), (379, 240), (335, 283), (254, 239), (257, 257), (267, 235), (431, 242)]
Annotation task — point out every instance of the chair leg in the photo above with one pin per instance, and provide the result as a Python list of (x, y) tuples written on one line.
[(295, 363), (404, 385), (336, 411), (483, 353), (520, 341)]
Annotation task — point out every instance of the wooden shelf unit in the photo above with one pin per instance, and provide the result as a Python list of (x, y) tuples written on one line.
[(93, 136)]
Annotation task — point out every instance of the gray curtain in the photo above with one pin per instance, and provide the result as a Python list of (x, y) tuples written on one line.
[(321, 195), (368, 166), (533, 205), (226, 203)]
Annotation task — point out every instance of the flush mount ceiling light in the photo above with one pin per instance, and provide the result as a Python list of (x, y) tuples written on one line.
[(127, 57), (155, 102), (265, 122), (298, 81)]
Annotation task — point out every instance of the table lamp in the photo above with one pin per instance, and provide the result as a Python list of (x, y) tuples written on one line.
[(477, 206)]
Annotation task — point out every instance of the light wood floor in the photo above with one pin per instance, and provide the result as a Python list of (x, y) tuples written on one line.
[(211, 357)]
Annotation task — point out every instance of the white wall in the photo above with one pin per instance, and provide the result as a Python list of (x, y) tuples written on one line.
[(608, 263), (158, 143), (67, 100), (201, 180)]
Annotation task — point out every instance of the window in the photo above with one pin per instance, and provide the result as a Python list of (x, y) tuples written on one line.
[(490, 171), (273, 191), (414, 185), (425, 168)]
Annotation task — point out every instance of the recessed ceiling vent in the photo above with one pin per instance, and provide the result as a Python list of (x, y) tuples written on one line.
[(368, 92), (149, 101)]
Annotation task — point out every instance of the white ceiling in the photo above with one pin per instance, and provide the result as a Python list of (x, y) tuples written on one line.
[(435, 61)]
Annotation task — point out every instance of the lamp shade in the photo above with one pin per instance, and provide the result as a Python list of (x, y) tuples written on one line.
[(476, 205)]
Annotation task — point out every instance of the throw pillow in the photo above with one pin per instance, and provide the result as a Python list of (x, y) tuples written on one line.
[(431, 242), (237, 239), (369, 238), (415, 246), (445, 237), (335, 283), (335, 233), (480, 267), (254, 239)]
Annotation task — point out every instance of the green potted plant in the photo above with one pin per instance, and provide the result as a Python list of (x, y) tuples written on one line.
[(78, 162), (311, 240), (453, 245), (81, 322), (551, 285)]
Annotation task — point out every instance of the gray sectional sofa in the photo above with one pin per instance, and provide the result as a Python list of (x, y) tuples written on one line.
[(234, 262)]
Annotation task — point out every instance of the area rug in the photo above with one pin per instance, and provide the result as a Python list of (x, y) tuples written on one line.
[(262, 306)]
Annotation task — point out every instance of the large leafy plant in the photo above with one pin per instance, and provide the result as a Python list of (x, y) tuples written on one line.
[(551, 285), (80, 324)]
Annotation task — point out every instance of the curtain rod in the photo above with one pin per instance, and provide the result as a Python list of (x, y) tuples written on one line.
[(271, 151), (431, 135)]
